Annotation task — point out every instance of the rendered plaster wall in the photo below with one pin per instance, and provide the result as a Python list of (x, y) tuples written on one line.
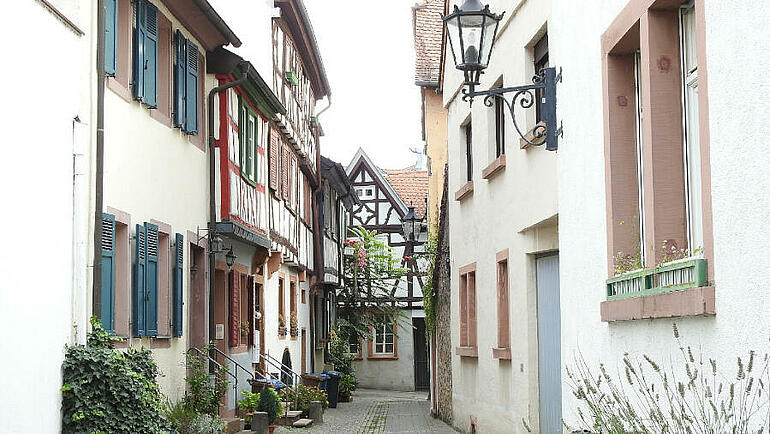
[(389, 374), (436, 148), (738, 110), (155, 172), (42, 300), (516, 209)]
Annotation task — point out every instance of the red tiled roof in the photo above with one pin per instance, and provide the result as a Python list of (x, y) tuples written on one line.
[(411, 185), (428, 33)]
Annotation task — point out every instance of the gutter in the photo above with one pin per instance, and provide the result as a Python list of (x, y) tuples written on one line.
[(212, 189), (99, 176)]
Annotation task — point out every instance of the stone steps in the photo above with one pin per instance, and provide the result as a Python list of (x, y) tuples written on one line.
[(302, 423), (288, 417), (233, 425)]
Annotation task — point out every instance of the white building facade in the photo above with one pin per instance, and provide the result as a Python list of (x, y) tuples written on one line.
[(658, 148), (503, 238)]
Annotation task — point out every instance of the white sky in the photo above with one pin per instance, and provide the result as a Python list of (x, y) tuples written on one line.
[(367, 49)]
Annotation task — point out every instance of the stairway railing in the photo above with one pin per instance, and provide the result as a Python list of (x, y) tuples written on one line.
[(217, 352), (295, 377)]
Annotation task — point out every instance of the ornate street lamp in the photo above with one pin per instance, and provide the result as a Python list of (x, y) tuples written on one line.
[(411, 225), (230, 258), (471, 30)]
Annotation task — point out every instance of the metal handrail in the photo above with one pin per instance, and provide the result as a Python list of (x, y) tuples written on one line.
[(285, 369), (213, 361)]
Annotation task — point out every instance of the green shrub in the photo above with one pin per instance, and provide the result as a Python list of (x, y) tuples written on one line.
[(270, 404), (305, 395), (204, 396), (185, 420), (347, 386), (106, 390), (339, 355), (248, 404)]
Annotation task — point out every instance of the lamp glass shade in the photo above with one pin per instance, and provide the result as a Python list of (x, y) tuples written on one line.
[(230, 257), (471, 30)]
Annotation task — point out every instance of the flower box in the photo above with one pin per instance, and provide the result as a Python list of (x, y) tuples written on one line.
[(673, 276)]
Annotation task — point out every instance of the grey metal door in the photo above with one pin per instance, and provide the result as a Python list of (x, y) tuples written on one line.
[(549, 344)]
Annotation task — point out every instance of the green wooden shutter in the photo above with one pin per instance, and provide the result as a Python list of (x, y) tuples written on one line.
[(191, 92), (178, 281), (111, 37), (151, 281), (139, 280), (151, 55), (180, 73), (139, 49), (108, 273)]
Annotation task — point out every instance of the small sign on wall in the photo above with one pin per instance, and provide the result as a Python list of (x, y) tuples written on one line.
[(220, 331)]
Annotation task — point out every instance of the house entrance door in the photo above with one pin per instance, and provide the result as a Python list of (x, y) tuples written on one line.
[(421, 359), (549, 343)]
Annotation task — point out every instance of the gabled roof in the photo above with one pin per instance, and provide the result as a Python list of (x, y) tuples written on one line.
[(200, 18), (362, 158), (412, 187), (338, 179), (428, 30)]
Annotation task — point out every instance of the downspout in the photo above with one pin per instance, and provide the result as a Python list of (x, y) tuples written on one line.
[(212, 189), (318, 194), (99, 176)]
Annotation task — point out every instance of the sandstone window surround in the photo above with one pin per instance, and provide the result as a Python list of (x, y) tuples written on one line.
[(467, 135), (384, 345), (468, 330), (503, 349), (657, 160)]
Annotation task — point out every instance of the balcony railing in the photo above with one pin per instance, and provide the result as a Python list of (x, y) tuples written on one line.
[(664, 278)]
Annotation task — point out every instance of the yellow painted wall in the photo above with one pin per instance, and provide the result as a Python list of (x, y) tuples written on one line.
[(436, 148)]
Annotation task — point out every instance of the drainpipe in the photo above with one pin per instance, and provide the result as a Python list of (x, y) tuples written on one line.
[(212, 189), (99, 176)]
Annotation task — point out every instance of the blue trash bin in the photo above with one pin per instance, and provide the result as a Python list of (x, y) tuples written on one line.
[(333, 387)]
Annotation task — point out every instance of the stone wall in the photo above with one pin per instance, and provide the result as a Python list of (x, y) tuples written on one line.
[(443, 334)]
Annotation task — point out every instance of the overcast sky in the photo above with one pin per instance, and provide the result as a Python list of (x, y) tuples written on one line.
[(368, 52)]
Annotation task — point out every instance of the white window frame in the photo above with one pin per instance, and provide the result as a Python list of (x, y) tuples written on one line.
[(380, 343)]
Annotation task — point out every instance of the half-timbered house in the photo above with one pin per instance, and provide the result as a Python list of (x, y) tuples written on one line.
[(394, 358)]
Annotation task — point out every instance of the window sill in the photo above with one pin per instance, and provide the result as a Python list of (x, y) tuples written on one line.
[(382, 357), (494, 168), (161, 117), (523, 144), (122, 91), (464, 191), (689, 302), (501, 353), (467, 352)]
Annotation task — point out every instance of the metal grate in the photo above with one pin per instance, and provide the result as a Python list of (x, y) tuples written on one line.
[(108, 234)]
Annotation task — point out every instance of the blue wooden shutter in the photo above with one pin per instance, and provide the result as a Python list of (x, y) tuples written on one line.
[(111, 37), (178, 288), (191, 89), (180, 73), (151, 281), (151, 55), (108, 272), (139, 278), (139, 49)]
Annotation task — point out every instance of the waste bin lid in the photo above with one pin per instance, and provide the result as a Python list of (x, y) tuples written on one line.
[(276, 384), (333, 373), (324, 375)]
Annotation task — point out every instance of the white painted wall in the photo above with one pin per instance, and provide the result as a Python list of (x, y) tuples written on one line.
[(499, 214), (49, 76), (739, 109), (389, 374)]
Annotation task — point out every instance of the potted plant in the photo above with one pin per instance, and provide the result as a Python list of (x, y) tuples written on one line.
[(270, 404), (281, 326), (244, 326), (293, 324), (248, 405)]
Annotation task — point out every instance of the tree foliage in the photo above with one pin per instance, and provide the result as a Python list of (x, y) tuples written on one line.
[(371, 277)]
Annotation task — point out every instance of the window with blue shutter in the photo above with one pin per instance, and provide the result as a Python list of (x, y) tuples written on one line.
[(178, 297), (151, 281), (146, 53), (186, 84), (108, 273), (180, 73), (111, 37), (191, 93), (139, 281)]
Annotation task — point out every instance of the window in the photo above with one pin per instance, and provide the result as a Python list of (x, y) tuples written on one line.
[(146, 281), (691, 125), (467, 294), (186, 99), (178, 296), (500, 127), (281, 316), (249, 138), (354, 345), (639, 244), (384, 338), (293, 183), (359, 192), (369, 192), (146, 53), (541, 61), (293, 299), (503, 314), (164, 284), (468, 151)]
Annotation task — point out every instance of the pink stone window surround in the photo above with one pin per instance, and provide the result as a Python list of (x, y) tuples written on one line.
[(650, 194), (503, 349), (468, 327)]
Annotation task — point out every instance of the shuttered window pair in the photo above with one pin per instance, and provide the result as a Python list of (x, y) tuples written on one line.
[(185, 84), (145, 300)]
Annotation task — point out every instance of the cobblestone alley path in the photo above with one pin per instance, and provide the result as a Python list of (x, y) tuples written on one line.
[(378, 411)]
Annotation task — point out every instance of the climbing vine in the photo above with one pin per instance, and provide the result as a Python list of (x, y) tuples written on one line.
[(429, 290)]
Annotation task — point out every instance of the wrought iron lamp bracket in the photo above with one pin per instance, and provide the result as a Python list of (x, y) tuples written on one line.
[(525, 97)]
